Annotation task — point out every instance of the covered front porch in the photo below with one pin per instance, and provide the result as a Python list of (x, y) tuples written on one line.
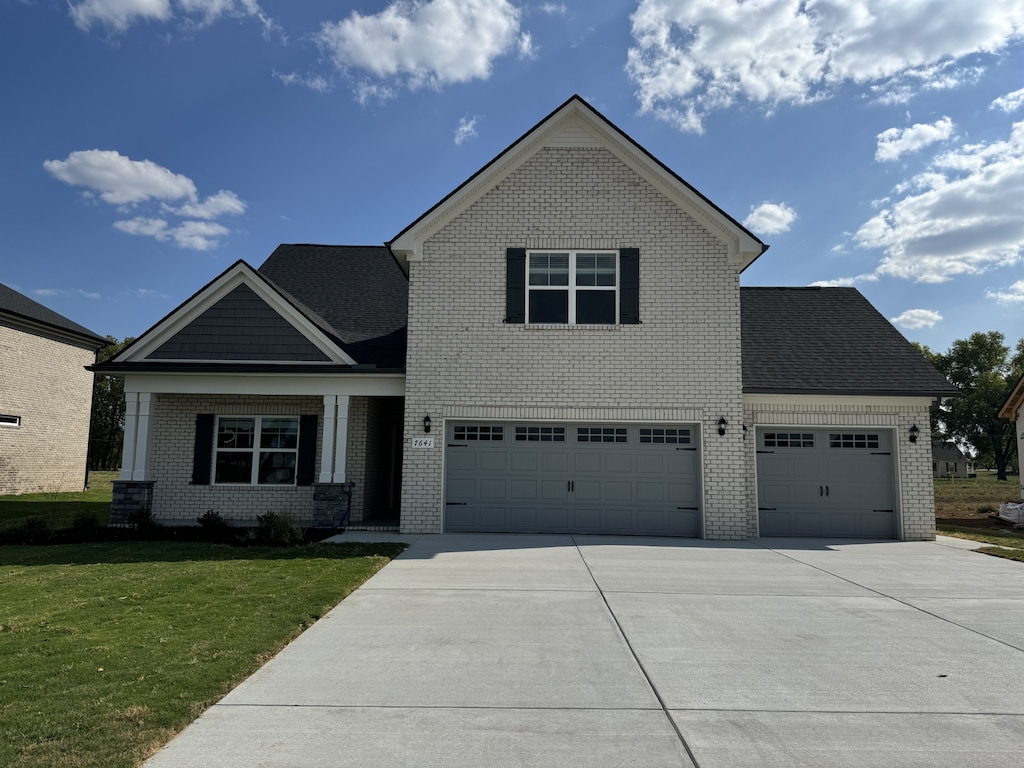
[(324, 450)]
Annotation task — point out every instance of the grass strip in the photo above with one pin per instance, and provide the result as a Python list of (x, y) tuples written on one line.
[(108, 650), (1006, 544)]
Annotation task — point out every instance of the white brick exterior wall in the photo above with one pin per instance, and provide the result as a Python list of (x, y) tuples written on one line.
[(681, 363), (914, 483), (177, 502), (43, 381)]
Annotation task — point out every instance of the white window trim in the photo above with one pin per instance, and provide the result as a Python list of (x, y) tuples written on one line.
[(9, 421), (572, 288), (255, 451)]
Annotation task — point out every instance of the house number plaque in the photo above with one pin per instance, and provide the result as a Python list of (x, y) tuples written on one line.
[(423, 442)]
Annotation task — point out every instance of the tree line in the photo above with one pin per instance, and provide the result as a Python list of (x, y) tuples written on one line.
[(985, 370)]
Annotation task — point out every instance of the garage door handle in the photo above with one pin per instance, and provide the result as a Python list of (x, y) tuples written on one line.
[(821, 490), (570, 486), (826, 490)]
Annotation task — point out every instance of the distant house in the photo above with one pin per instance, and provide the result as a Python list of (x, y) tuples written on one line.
[(1013, 409), (45, 397), (561, 345), (949, 461)]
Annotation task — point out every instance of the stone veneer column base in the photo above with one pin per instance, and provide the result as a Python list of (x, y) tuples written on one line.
[(333, 503), (129, 496)]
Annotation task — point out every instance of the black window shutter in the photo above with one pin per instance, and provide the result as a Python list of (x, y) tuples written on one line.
[(305, 472), (629, 286), (515, 285), (202, 451)]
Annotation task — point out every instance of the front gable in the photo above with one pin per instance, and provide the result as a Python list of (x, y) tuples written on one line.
[(238, 318), (577, 125)]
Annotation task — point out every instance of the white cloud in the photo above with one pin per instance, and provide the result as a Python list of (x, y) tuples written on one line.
[(412, 43), (223, 203), (51, 292), (527, 50), (1015, 294), (1011, 102), (119, 179), (316, 83), (913, 319), (964, 215), (845, 282), (134, 184), (196, 235), (466, 129), (693, 57), (770, 218), (554, 9), (895, 142), (119, 15)]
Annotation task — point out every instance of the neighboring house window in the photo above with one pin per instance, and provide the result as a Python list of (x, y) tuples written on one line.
[(9, 421), (256, 450), (568, 287)]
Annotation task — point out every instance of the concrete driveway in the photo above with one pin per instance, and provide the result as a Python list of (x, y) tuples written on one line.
[(596, 651)]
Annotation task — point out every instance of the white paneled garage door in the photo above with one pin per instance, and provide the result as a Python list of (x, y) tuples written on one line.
[(826, 482), (572, 478)]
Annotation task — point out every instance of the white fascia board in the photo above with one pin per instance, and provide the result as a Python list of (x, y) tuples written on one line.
[(239, 274), (355, 385), (812, 402), (743, 249)]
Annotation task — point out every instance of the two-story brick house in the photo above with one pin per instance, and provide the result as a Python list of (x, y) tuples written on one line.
[(560, 345), (45, 397)]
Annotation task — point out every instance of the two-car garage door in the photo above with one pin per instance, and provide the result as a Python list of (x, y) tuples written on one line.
[(572, 478), (833, 482)]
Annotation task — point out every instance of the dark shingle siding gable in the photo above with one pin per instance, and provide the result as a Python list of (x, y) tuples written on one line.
[(20, 307), (241, 326), (828, 341), (356, 294)]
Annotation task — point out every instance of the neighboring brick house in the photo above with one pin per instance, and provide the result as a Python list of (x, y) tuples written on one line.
[(45, 397), (561, 344)]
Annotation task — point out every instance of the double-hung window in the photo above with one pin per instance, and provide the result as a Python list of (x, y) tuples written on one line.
[(255, 450), (572, 287)]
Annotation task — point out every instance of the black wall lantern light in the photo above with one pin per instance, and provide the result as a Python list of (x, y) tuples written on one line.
[(913, 433), (721, 425), (426, 423)]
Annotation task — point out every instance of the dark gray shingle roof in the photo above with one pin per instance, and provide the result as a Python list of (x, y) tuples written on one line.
[(355, 293), (828, 341), (19, 306)]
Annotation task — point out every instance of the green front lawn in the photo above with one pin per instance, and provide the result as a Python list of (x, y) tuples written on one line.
[(59, 509), (108, 650)]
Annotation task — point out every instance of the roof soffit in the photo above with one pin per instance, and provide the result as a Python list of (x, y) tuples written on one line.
[(238, 274), (576, 124), (1014, 402)]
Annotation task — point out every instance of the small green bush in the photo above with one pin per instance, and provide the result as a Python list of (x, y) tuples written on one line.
[(142, 520), (274, 529), (987, 509), (35, 530), (85, 520), (215, 527)]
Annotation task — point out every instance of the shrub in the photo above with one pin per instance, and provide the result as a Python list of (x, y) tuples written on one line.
[(35, 530), (987, 509), (276, 530), (142, 520), (85, 520), (215, 528)]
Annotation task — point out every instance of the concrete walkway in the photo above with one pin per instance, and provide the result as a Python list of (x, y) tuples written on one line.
[(597, 651)]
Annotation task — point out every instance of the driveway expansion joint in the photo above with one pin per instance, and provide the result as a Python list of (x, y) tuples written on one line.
[(640, 665)]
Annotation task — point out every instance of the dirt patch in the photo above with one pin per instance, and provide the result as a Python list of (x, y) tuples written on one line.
[(981, 522)]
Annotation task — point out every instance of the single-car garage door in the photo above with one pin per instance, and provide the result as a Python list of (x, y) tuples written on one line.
[(825, 482), (572, 478)]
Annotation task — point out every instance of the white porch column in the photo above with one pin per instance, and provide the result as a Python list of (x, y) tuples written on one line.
[(341, 440), (327, 441), (144, 412), (131, 421)]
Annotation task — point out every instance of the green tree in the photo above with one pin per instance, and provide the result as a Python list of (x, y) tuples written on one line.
[(106, 427), (984, 371)]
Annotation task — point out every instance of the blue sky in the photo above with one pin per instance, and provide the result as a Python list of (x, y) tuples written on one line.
[(148, 144)]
